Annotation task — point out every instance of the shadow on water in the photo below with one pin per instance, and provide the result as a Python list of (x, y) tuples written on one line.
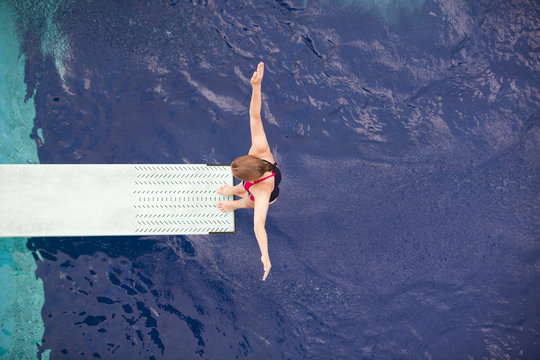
[(134, 297)]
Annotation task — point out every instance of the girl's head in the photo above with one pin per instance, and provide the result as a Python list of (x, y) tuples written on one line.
[(250, 168)]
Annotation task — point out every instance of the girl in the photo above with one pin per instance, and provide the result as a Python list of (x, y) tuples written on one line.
[(258, 172)]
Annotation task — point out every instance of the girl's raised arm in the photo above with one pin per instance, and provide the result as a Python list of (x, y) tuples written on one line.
[(259, 143)]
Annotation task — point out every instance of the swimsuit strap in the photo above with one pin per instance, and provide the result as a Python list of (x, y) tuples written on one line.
[(268, 177)]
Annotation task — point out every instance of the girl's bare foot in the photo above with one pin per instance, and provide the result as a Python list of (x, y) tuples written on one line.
[(226, 206), (226, 190)]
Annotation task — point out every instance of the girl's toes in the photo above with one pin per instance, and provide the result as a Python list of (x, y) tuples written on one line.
[(221, 207), (224, 206), (225, 190)]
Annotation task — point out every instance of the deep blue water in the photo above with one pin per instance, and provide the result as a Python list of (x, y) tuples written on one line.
[(408, 136)]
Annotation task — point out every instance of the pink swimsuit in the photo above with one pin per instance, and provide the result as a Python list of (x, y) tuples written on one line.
[(248, 184)]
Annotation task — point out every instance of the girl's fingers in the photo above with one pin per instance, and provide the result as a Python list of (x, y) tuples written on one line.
[(259, 73)]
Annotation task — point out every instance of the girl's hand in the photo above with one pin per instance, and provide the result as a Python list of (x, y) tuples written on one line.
[(256, 79), (267, 265)]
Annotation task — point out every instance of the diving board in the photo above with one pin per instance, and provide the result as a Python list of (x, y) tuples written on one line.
[(113, 200)]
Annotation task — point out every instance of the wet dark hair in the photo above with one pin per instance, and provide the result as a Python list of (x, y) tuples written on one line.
[(250, 168)]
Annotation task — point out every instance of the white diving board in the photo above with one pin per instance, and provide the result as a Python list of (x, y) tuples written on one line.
[(113, 200)]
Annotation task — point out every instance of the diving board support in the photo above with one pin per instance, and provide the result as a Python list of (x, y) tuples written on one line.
[(113, 200)]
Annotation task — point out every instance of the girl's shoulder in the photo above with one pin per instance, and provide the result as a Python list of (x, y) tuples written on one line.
[(268, 158), (266, 155)]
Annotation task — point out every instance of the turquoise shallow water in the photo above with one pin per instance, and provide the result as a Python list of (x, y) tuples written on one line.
[(22, 293), (16, 115)]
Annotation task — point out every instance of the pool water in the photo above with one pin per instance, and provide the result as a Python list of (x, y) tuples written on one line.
[(408, 136)]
